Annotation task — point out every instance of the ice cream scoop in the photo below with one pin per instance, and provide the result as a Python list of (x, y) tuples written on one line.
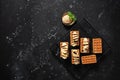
[(68, 18)]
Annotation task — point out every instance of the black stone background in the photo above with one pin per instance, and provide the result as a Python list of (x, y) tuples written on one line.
[(29, 27)]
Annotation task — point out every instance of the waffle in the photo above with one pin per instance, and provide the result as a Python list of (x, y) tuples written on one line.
[(64, 53), (74, 38), (75, 56), (84, 45), (97, 45), (89, 59)]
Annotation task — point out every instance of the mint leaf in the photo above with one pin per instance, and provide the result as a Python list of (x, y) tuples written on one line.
[(72, 16)]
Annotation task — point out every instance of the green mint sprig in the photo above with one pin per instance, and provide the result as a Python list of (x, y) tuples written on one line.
[(72, 16)]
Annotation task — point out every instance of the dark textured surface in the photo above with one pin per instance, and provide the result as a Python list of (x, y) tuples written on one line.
[(26, 25)]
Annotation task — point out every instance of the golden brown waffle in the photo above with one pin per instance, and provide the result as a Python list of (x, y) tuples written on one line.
[(74, 38), (89, 59), (75, 56), (97, 45), (84, 45), (64, 53)]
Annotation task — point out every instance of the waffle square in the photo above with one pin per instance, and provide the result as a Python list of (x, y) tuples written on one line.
[(75, 56), (74, 38), (97, 45), (89, 59), (84, 45), (64, 52)]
